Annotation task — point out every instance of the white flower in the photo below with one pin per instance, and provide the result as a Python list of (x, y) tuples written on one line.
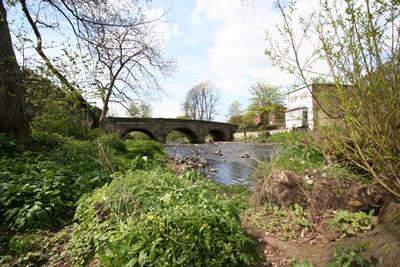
[(145, 158)]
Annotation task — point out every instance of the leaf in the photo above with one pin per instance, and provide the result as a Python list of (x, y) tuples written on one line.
[(142, 258)]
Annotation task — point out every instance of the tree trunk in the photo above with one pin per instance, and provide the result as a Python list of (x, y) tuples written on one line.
[(384, 241), (13, 119)]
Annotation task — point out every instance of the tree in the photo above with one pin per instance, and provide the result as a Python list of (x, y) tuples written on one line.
[(265, 99), (13, 118), (201, 102), (235, 113), (140, 110), (120, 39), (359, 44)]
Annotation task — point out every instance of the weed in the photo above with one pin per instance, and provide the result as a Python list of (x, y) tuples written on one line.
[(302, 264), (8, 147), (345, 257), (295, 157), (157, 218), (39, 189), (350, 223), (287, 223), (289, 137)]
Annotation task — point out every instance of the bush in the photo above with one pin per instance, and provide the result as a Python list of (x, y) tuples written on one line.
[(39, 189), (157, 218), (49, 141), (8, 147), (113, 141), (149, 148)]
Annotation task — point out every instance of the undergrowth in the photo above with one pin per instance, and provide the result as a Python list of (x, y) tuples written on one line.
[(296, 157), (351, 223), (39, 189), (286, 223), (157, 218), (289, 137), (351, 256)]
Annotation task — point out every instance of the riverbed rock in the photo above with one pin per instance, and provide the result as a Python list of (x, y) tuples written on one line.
[(245, 155), (218, 152)]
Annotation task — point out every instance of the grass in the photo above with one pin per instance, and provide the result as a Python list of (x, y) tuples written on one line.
[(296, 157), (289, 137)]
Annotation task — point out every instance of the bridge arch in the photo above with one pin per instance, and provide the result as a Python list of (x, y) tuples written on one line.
[(217, 135), (146, 132), (159, 128), (190, 135)]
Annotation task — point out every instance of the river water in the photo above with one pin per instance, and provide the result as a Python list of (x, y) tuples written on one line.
[(227, 161)]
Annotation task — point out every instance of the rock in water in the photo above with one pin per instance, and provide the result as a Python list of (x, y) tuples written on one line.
[(245, 155)]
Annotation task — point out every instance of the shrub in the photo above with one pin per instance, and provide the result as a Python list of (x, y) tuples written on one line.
[(49, 141), (8, 147), (113, 141), (149, 148), (157, 218)]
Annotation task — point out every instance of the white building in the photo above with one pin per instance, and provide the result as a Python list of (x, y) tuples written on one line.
[(299, 113)]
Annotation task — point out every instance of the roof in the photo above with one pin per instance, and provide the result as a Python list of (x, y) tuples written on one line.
[(293, 109)]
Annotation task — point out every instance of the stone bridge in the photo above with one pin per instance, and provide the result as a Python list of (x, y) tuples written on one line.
[(159, 128)]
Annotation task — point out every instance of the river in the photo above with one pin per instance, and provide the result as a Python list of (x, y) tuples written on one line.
[(229, 163)]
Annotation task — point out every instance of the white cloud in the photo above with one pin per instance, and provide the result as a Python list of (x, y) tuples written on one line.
[(236, 57), (163, 27), (191, 40)]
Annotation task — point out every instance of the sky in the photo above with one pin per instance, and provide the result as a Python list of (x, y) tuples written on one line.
[(222, 41), (218, 40)]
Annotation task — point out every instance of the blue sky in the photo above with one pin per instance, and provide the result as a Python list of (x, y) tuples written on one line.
[(222, 41), (218, 40)]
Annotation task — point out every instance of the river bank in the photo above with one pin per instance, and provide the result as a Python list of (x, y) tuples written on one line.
[(306, 211), (143, 213)]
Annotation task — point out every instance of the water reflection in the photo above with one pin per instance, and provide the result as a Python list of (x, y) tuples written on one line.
[(227, 159)]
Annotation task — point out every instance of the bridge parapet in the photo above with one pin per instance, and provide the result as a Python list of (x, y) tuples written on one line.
[(159, 128)]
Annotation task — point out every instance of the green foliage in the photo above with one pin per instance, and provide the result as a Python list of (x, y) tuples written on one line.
[(114, 142), (265, 100), (286, 223), (156, 218), (346, 257), (261, 138), (8, 147), (54, 110), (350, 223), (295, 157), (152, 149), (176, 136), (302, 264), (289, 137), (37, 248), (39, 189), (135, 135)]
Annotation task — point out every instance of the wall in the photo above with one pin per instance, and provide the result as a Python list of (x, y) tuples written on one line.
[(298, 101)]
